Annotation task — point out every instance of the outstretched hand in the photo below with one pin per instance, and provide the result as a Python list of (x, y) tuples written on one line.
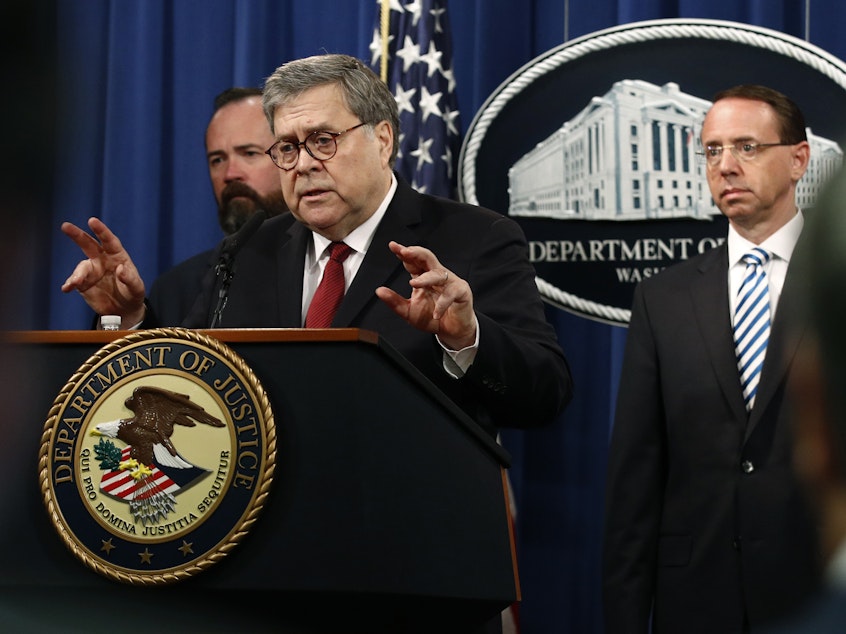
[(107, 279), (440, 302)]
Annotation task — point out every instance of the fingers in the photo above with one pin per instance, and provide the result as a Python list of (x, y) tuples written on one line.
[(105, 242), (90, 247), (423, 265), (394, 300), (85, 275), (79, 279), (109, 242), (416, 260), (128, 275), (441, 302), (439, 278), (108, 279)]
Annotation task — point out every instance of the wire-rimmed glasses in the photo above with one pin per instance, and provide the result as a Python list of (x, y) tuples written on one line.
[(741, 150)]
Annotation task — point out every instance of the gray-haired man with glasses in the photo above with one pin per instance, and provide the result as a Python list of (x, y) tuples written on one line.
[(449, 285), (706, 528)]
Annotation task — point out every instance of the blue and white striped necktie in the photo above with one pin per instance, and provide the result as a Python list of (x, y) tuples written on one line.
[(752, 323)]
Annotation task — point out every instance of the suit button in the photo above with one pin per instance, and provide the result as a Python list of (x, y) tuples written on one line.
[(747, 466), (736, 543)]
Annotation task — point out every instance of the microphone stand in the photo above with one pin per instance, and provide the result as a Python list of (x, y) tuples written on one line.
[(225, 268), (224, 271)]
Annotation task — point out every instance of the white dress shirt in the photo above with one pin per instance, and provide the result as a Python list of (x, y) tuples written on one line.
[(780, 245)]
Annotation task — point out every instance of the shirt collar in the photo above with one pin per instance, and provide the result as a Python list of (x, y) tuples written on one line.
[(780, 244), (361, 237)]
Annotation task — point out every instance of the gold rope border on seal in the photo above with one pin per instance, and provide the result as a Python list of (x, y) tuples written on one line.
[(257, 505)]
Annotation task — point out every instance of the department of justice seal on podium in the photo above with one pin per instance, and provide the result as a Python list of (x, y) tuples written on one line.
[(157, 456)]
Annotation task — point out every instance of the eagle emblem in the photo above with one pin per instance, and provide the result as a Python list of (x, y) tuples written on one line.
[(149, 470), (157, 455)]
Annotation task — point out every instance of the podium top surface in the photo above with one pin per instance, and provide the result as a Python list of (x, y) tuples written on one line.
[(227, 335)]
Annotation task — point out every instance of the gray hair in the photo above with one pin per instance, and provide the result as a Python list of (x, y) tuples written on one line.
[(363, 92)]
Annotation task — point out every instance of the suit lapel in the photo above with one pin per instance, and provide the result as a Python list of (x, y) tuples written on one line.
[(290, 263), (710, 297), (380, 266)]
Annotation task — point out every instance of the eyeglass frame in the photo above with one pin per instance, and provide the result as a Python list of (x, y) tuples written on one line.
[(734, 148), (303, 144)]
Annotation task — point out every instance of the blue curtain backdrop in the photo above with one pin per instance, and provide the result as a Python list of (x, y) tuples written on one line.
[(136, 82)]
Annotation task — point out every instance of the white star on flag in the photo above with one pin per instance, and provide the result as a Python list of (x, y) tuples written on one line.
[(420, 75)]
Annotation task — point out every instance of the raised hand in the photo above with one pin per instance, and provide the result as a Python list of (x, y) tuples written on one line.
[(107, 279), (440, 302)]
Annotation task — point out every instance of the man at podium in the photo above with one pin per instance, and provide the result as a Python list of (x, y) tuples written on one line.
[(449, 285)]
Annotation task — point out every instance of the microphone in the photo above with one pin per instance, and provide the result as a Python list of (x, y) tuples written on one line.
[(225, 268), (232, 244)]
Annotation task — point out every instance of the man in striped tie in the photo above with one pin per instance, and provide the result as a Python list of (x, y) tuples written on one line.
[(706, 529)]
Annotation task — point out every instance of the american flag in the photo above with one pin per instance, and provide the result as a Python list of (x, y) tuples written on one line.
[(412, 51), (121, 484)]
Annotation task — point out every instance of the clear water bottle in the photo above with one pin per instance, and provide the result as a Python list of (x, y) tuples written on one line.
[(110, 322)]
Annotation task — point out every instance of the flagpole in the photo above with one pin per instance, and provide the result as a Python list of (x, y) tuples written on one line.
[(385, 23)]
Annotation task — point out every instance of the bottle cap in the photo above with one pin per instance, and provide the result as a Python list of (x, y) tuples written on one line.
[(110, 322)]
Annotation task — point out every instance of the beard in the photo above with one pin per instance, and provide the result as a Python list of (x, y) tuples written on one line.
[(239, 201)]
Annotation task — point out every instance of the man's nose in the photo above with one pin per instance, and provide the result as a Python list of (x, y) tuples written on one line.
[(305, 161), (234, 171), (728, 162)]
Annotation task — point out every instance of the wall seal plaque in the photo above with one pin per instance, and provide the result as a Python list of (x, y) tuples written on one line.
[(593, 148)]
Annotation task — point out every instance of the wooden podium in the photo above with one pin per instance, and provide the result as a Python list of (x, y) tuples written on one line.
[(387, 513)]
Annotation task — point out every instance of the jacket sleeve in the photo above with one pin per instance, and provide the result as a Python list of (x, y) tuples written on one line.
[(636, 474), (520, 374)]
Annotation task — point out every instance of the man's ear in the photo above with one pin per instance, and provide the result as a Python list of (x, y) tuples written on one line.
[(385, 135), (801, 158)]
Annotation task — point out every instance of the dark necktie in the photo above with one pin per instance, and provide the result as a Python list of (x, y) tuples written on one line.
[(330, 292), (752, 323)]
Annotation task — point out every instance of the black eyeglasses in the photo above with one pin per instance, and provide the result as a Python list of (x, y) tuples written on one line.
[(320, 145), (742, 151)]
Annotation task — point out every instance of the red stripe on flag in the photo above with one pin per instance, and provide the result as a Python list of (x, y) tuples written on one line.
[(120, 483)]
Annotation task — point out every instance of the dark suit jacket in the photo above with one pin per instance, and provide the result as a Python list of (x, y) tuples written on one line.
[(176, 290), (519, 377), (703, 513)]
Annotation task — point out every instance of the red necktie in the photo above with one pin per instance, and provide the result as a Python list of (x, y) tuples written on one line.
[(330, 292)]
